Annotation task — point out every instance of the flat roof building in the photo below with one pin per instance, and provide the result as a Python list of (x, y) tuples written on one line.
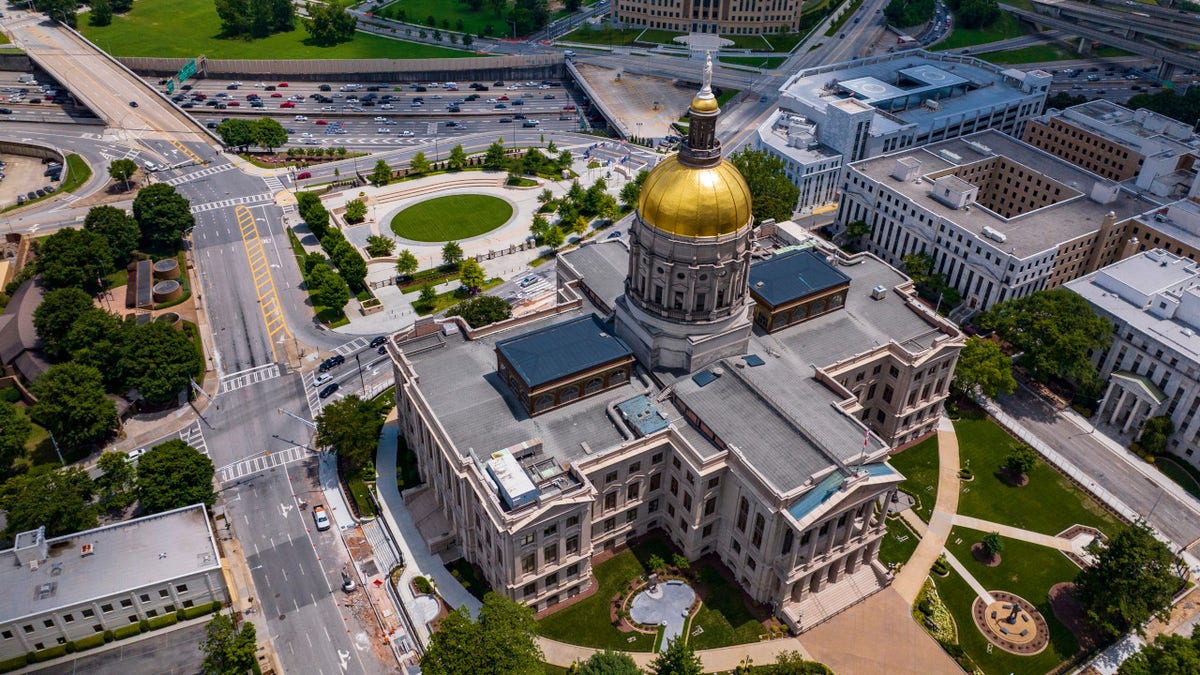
[(845, 112), (748, 17), (63, 589)]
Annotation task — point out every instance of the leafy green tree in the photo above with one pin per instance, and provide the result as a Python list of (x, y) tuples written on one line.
[(1021, 459), (356, 211), (678, 659), (71, 405), (1184, 107), (283, 16), (420, 164), (1055, 330), (539, 227), (329, 23), (350, 264), (117, 480), (379, 246), (234, 16), (772, 194), (53, 318), (162, 214), (1167, 654), (236, 133), (1155, 433), (458, 157), (632, 191), (918, 266), (656, 563), (74, 258), (311, 260), (1133, 580), (992, 544), (102, 15), (172, 475), (268, 133), (554, 237), (983, 366), (501, 642), (857, 228), (314, 213), (494, 159), (14, 431), (382, 175), (977, 14), (471, 274), (351, 426), (406, 263), (576, 194), (452, 254), (118, 229), (608, 663), (96, 339), (327, 288), (481, 310), (564, 160), (545, 196), (62, 11), (59, 498), (427, 298), (228, 650), (157, 360), (793, 663), (120, 169)]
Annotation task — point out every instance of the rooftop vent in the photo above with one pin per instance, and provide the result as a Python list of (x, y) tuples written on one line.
[(994, 235), (878, 293), (950, 156), (86, 550)]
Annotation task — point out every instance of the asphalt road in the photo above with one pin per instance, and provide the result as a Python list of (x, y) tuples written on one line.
[(1177, 520), (171, 652)]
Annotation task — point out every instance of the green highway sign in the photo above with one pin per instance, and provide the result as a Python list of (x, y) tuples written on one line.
[(170, 86), (188, 70)]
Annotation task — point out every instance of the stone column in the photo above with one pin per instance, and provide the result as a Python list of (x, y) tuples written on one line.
[(812, 544), (1120, 404), (1133, 413)]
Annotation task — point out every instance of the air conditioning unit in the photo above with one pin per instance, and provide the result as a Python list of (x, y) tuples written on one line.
[(878, 293)]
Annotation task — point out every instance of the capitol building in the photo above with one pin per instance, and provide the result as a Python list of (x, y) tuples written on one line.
[(702, 383)]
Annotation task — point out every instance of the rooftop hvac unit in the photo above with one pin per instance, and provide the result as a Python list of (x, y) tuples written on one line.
[(878, 293), (994, 235), (950, 156)]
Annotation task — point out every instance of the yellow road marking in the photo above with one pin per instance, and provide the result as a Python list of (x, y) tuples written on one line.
[(184, 149), (260, 269)]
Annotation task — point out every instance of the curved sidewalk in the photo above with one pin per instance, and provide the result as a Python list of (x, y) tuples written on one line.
[(714, 660), (911, 577)]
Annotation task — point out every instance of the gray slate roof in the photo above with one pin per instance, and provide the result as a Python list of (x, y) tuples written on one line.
[(794, 275), (562, 349)]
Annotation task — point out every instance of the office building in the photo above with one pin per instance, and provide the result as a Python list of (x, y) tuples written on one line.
[(745, 17)]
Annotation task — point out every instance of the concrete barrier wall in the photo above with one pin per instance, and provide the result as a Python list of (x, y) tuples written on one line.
[(29, 150), (15, 61), (532, 67)]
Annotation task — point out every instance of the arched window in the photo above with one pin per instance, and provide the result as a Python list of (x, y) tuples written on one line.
[(568, 393), (543, 402), (616, 376), (593, 385)]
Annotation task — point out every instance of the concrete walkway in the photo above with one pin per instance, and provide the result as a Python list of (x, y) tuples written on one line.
[(714, 660), (1010, 532), (911, 577), (968, 577)]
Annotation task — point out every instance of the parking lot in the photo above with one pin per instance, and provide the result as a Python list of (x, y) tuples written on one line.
[(37, 99), (21, 176)]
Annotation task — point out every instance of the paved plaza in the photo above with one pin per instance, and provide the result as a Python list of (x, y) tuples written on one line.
[(667, 605)]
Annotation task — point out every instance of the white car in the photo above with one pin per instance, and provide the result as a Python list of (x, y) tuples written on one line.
[(380, 119), (134, 454), (328, 108), (406, 133), (301, 118), (322, 379), (306, 135), (388, 106), (320, 517), (381, 130)]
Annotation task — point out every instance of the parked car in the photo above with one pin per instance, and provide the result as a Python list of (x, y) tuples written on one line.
[(320, 517)]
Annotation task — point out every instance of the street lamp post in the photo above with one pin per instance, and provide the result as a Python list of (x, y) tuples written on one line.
[(361, 379)]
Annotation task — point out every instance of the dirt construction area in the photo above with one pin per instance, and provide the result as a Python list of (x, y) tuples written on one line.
[(21, 174), (651, 102)]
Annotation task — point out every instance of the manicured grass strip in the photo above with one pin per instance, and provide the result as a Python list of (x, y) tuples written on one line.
[(894, 551), (451, 218), (450, 298), (919, 465), (723, 615), (1179, 472), (1003, 28), (1044, 53), (1049, 503), (447, 16), (619, 37), (188, 28)]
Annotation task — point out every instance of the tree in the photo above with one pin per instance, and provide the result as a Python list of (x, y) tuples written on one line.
[(984, 367), (234, 16), (494, 159), (858, 228), (573, 5), (608, 663), (117, 480), (545, 197), (120, 169), (1155, 433), (482, 310), (575, 195), (1167, 654), (678, 659), (95, 339), (501, 642), (419, 164), (1184, 107), (631, 191), (59, 498), (14, 431), (976, 14), (350, 264), (356, 211), (329, 23), (236, 133), (172, 475), (1133, 580), (283, 16), (793, 663), (118, 229), (53, 318), (1021, 459), (452, 254), (157, 360), (554, 237), (1055, 331), (918, 266), (268, 133), (71, 405), (327, 288), (427, 298), (382, 175), (539, 227), (74, 258), (471, 274), (992, 545), (62, 11), (772, 194), (102, 15), (406, 263), (458, 157), (227, 649), (163, 215), (379, 246), (351, 426)]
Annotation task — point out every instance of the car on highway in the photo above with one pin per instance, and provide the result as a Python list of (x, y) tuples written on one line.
[(407, 133), (325, 87), (453, 124), (505, 120), (500, 106), (529, 124), (328, 391), (282, 84), (380, 339), (569, 107), (301, 118), (380, 119), (133, 104), (518, 102), (211, 125), (5, 111), (381, 130), (303, 174), (320, 517), (321, 122), (287, 104), (502, 98), (549, 97), (276, 95), (233, 104)]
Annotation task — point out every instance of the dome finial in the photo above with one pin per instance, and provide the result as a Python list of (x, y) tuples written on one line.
[(707, 88), (704, 101)]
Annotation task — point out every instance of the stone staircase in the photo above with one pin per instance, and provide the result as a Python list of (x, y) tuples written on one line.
[(817, 608)]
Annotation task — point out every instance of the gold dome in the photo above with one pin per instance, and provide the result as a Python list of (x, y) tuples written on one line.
[(704, 104), (695, 202)]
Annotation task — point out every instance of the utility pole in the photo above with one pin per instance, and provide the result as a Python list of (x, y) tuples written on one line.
[(361, 379), (308, 423)]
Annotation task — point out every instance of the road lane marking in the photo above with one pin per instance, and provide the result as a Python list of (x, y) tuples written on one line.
[(264, 285)]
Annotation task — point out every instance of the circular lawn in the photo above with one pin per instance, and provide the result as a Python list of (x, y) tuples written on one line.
[(451, 218)]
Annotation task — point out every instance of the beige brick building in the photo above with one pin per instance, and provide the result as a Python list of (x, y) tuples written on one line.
[(733, 17)]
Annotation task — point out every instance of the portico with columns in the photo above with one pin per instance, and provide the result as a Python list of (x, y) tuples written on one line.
[(1129, 401)]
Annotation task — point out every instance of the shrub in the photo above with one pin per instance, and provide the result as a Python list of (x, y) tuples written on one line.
[(422, 584), (200, 610), (144, 625), (162, 621), (51, 653), (127, 631), (108, 636), (15, 662), (89, 642)]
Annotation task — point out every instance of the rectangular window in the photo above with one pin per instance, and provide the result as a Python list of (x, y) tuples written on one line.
[(181, 588), (631, 515), (635, 467), (707, 531), (713, 482), (527, 539), (652, 505), (657, 458), (671, 510), (550, 531), (610, 524), (127, 603), (751, 563), (144, 597), (69, 618), (610, 500), (674, 486), (572, 521), (710, 506), (675, 462), (552, 579), (88, 613), (687, 501), (550, 554), (530, 589), (162, 593), (7, 635), (743, 514), (690, 478), (573, 544), (528, 564), (106, 608), (610, 477), (655, 481), (631, 492), (733, 544), (48, 623)]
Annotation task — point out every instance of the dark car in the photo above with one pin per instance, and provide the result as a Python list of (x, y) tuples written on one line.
[(49, 189), (498, 83), (328, 391), (332, 362), (518, 102), (548, 96), (52, 169), (382, 349), (231, 86), (379, 340), (269, 87), (31, 195), (325, 87), (5, 111), (519, 116), (211, 125), (133, 104), (186, 87), (505, 120)]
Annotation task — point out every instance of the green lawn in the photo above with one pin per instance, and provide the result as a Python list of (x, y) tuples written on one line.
[(919, 464), (1178, 472), (1043, 53), (587, 621), (187, 28), (419, 11), (1048, 504), (470, 576), (621, 37), (767, 62), (1003, 28), (451, 218), (450, 298), (722, 615), (892, 550), (1029, 571), (661, 37)]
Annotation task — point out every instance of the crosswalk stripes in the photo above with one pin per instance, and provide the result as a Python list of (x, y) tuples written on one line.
[(351, 346), (193, 435), (273, 184), (259, 463), (312, 395), (536, 287), (236, 201), (245, 378), (188, 177)]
